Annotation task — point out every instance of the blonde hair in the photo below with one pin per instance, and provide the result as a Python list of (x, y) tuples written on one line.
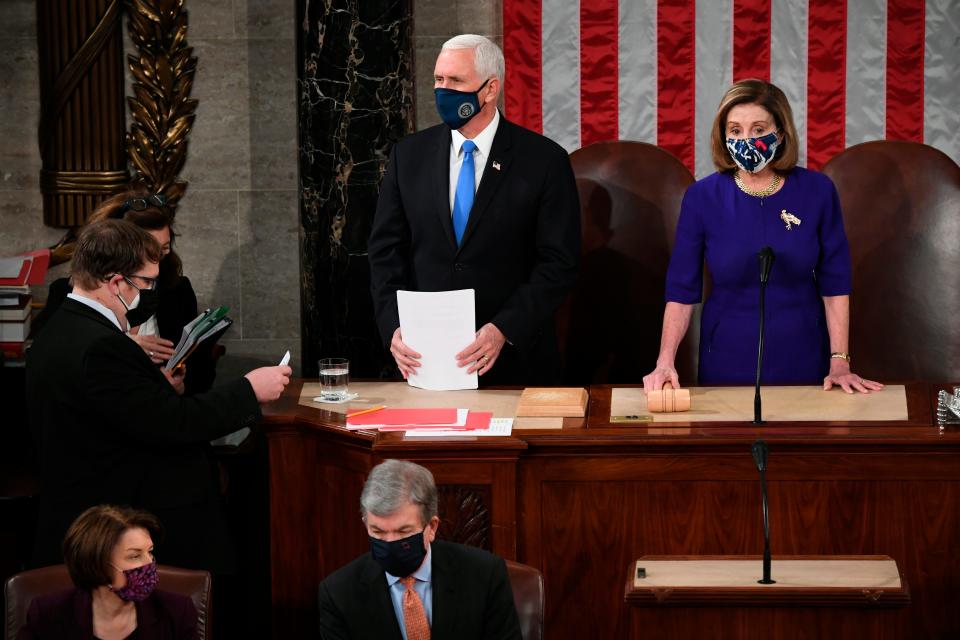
[(770, 97)]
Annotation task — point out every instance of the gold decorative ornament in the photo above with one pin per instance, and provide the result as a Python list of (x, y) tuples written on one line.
[(161, 108), (763, 193), (789, 219)]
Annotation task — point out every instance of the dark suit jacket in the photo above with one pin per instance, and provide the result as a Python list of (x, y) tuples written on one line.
[(472, 599), (68, 615), (111, 429), (178, 306), (520, 249)]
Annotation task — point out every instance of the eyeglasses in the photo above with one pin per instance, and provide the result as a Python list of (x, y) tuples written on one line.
[(141, 204), (151, 282)]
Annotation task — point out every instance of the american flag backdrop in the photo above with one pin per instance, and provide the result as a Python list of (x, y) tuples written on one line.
[(655, 70)]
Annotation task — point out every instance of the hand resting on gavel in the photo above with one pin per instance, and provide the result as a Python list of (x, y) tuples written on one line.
[(663, 393)]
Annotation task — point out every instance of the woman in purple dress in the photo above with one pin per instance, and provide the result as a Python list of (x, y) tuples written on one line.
[(760, 198)]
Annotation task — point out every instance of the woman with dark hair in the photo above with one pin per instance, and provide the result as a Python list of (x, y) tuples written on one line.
[(759, 198), (159, 317), (108, 552)]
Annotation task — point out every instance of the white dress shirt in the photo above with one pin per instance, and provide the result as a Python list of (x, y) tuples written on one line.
[(483, 140)]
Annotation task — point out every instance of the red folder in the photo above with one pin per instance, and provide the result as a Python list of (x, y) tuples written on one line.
[(475, 420), (32, 271), (417, 417)]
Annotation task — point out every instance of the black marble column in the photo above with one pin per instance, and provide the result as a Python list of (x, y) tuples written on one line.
[(355, 100)]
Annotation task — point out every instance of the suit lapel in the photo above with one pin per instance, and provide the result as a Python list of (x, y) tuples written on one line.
[(441, 184), (443, 576), (381, 616), (493, 176)]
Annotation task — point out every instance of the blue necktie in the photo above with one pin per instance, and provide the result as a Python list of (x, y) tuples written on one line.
[(463, 201)]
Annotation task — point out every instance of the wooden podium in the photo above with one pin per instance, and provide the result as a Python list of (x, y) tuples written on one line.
[(813, 597)]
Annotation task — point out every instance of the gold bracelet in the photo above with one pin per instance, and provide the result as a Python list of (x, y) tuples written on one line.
[(840, 355)]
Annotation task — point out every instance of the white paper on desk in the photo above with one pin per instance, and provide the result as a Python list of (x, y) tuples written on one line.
[(438, 325), (498, 427)]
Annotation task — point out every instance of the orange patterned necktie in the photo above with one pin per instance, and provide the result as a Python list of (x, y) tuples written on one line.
[(414, 617)]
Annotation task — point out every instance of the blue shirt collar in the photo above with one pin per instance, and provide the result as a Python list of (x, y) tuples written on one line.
[(422, 574)]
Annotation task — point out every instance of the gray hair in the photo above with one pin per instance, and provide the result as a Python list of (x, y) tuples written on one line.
[(393, 483), (488, 58)]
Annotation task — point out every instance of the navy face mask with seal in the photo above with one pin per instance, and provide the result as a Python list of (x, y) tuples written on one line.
[(401, 557), (753, 154), (456, 108)]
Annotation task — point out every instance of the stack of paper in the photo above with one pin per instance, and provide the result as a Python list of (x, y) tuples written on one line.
[(446, 419), (206, 325)]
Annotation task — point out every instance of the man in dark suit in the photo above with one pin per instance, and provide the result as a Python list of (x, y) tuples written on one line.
[(109, 424), (478, 202), (410, 586)]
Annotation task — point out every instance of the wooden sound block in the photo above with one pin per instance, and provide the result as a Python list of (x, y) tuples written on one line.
[(668, 400), (568, 402)]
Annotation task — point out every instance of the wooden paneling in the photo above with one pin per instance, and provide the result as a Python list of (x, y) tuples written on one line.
[(583, 502)]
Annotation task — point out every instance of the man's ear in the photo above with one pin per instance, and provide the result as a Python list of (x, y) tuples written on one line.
[(492, 90)]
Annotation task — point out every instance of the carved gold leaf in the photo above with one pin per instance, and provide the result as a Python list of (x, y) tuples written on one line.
[(161, 109)]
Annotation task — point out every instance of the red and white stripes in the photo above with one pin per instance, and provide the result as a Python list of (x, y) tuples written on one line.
[(654, 70)]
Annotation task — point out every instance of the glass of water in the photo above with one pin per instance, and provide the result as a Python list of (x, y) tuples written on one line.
[(334, 378)]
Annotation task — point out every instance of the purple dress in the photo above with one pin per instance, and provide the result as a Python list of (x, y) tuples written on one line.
[(727, 228)]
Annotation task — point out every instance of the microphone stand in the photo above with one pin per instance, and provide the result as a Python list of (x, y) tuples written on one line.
[(766, 263), (760, 451)]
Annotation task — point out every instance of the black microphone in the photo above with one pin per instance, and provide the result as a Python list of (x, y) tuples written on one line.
[(766, 263), (760, 450)]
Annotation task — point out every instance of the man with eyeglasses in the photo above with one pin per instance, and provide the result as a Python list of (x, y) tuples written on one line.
[(111, 428)]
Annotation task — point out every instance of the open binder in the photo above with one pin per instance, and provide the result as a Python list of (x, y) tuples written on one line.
[(209, 325)]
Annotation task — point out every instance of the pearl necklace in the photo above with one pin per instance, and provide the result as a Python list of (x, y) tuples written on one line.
[(762, 193)]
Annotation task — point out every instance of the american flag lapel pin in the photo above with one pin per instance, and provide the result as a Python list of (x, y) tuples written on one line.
[(496, 165)]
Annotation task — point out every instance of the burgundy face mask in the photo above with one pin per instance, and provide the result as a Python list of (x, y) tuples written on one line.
[(141, 581)]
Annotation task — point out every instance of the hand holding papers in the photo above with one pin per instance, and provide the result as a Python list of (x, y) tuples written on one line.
[(208, 324), (438, 325)]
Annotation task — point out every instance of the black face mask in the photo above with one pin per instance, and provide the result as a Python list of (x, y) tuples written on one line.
[(143, 307), (401, 557)]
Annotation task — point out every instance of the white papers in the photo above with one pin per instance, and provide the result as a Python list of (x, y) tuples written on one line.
[(498, 427), (10, 267), (438, 325)]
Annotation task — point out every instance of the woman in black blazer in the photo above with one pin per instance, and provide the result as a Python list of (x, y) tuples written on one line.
[(160, 333), (109, 554)]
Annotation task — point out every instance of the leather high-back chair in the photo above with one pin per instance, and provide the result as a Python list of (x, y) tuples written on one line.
[(901, 208), (630, 194), (527, 585), (21, 589)]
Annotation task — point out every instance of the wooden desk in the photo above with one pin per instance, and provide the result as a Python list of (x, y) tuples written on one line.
[(582, 502), (694, 596)]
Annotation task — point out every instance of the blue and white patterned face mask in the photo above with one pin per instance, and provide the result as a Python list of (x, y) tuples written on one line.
[(753, 154)]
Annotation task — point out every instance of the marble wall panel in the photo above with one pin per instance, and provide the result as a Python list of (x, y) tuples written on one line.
[(273, 19), (19, 19), (219, 152), (208, 243), (355, 97), (273, 113), (19, 106), (270, 264), (20, 222)]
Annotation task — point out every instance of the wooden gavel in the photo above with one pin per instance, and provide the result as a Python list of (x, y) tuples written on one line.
[(668, 399)]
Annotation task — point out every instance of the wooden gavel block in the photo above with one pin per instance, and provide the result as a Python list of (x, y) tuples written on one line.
[(668, 400)]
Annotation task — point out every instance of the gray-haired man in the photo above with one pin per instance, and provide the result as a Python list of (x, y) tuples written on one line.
[(411, 586)]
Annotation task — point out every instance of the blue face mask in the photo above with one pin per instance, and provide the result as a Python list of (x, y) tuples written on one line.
[(753, 154), (456, 108)]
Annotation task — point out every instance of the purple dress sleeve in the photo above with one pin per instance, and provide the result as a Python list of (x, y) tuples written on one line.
[(833, 268), (685, 273)]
